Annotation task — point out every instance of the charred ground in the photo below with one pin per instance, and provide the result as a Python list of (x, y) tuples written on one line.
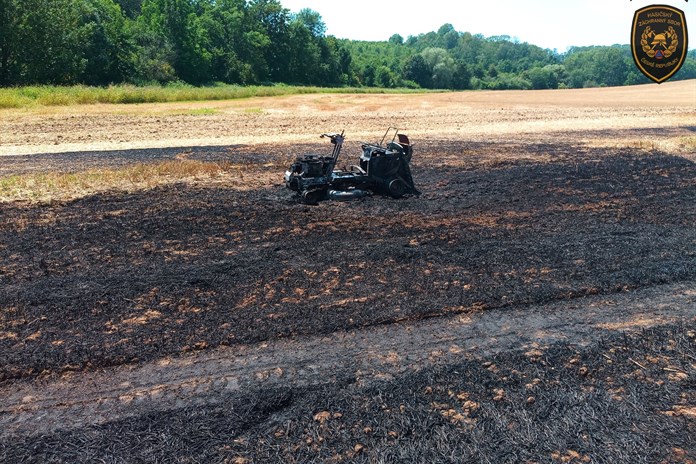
[(129, 277), (626, 399), (572, 199)]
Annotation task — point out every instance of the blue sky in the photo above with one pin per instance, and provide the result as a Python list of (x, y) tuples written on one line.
[(548, 23)]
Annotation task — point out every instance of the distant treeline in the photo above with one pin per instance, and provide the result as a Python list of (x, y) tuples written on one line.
[(102, 42)]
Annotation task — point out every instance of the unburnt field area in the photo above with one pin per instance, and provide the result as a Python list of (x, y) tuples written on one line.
[(163, 298)]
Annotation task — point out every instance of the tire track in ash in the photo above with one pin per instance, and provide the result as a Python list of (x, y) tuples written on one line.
[(89, 398)]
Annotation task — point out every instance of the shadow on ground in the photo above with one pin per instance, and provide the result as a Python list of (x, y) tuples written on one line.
[(130, 277)]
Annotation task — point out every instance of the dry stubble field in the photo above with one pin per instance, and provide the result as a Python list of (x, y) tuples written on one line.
[(164, 299)]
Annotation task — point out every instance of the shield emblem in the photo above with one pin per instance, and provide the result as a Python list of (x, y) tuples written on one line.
[(659, 41)]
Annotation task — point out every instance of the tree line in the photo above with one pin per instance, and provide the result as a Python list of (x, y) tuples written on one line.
[(102, 42), (448, 59)]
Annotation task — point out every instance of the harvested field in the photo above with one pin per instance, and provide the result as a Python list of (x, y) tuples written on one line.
[(138, 237)]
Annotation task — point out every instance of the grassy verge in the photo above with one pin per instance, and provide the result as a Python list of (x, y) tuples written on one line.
[(673, 145), (22, 97), (48, 186)]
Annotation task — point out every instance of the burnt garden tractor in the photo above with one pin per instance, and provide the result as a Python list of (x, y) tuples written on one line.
[(383, 169)]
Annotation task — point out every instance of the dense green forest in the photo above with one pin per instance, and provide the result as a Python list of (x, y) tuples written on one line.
[(102, 42)]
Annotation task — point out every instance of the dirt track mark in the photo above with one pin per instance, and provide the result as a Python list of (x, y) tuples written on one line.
[(90, 398)]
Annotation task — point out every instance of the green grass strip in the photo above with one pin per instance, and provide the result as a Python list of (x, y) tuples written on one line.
[(24, 97)]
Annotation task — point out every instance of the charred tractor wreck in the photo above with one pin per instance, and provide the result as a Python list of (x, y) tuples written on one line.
[(383, 169)]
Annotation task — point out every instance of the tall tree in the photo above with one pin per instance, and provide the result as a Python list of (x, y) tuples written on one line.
[(312, 21), (107, 49), (176, 20), (224, 23), (8, 40), (461, 79), (418, 71), (270, 21), (130, 8), (442, 66), (52, 37), (304, 55), (396, 39)]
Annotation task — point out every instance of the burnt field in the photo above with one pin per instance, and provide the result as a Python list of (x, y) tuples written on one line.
[(121, 279), (625, 399)]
